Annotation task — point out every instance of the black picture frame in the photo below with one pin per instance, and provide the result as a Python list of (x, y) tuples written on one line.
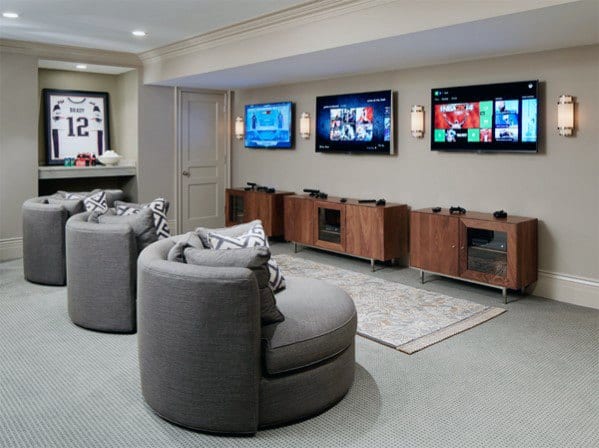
[(100, 120)]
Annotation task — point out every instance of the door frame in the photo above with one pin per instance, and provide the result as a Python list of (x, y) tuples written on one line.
[(178, 194)]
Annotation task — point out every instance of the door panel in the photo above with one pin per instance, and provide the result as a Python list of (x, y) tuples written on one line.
[(202, 159)]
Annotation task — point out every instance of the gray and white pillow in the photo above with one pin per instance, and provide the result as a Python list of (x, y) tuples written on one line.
[(253, 238), (94, 201), (159, 207)]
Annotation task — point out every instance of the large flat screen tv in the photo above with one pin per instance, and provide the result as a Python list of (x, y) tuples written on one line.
[(491, 117), (269, 125), (355, 123)]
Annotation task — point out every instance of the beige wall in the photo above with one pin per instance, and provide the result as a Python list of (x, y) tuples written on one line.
[(145, 136), (18, 144), (156, 172), (559, 185)]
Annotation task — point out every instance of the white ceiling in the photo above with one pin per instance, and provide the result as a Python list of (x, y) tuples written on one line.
[(107, 24), (562, 26)]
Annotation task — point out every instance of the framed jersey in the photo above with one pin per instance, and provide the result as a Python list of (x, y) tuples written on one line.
[(76, 122)]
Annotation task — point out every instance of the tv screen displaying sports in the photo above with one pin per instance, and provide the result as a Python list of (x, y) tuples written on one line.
[(355, 123), (269, 125), (491, 117)]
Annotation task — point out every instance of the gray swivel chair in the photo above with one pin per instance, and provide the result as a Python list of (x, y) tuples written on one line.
[(101, 268), (206, 362), (44, 220)]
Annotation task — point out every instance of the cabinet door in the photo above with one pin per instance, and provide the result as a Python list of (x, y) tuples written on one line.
[(234, 207), (434, 243), (488, 252), (364, 235), (299, 220), (329, 225)]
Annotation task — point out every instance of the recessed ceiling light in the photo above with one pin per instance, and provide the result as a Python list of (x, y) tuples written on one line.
[(139, 33), (10, 15), (81, 66)]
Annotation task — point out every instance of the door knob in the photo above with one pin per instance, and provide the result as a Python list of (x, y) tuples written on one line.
[(185, 173)]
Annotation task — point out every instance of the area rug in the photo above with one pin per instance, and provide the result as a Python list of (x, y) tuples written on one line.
[(400, 316)]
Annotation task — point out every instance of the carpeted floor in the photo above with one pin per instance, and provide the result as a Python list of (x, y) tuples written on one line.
[(528, 378)]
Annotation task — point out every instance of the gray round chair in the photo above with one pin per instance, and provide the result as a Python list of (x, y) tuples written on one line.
[(207, 363), (44, 220), (101, 267)]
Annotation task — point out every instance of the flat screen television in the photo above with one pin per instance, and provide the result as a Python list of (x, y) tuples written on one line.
[(269, 125), (491, 117), (355, 123)]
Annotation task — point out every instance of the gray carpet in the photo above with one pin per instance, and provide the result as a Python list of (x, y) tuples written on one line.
[(527, 378)]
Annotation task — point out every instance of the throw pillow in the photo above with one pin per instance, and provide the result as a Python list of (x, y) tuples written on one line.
[(142, 224), (182, 242), (237, 230), (254, 237), (159, 208), (253, 258), (96, 200)]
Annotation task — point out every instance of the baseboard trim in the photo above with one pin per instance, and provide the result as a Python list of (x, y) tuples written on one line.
[(11, 249), (568, 288)]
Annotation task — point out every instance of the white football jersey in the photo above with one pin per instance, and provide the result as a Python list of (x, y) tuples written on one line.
[(76, 126)]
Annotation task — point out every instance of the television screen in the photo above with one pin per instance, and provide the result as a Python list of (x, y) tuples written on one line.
[(358, 122), (269, 125), (492, 117)]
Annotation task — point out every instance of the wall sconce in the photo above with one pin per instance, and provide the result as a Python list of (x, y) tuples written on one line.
[(239, 131), (417, 118), (305, 125), (565, 115)]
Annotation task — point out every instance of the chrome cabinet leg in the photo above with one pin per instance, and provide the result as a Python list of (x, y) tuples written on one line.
[(294, 247), (372, 264), (504, 294), (421, 276)]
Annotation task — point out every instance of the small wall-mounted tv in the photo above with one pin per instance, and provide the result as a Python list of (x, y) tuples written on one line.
[(355, 123), (491, 117), (269, 125)]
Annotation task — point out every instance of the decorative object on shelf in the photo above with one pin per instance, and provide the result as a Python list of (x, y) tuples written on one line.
[(417, 121), (305, 125), (457, 210), (75, 122), (109, 158), (565, 115), (85, 159), (500, 214), (239, 131)]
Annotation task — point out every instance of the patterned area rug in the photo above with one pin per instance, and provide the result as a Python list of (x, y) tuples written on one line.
[(405, 318)]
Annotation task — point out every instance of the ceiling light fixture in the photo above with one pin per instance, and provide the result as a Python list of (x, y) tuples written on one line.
[(10, 15), (139, 33), (81, 66)]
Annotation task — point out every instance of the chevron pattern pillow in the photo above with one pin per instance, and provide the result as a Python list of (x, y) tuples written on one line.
[(254, 237), (92, 202), (159, 209)]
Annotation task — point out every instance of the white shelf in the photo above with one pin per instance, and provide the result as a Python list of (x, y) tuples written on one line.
[(72, 172)]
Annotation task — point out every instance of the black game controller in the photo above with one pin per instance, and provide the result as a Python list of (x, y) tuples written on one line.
[(457, 210), (344, 200), (500, 214), (321, 195), (381, 202), (436, 209)]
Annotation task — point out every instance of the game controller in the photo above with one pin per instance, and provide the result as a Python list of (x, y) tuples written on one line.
[(457, 210), (381, 202), (500, 214), (436, 209), (343, 200)]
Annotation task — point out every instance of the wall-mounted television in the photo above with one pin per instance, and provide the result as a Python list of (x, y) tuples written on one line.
[(269, 125), (490, 117), (355, 123)]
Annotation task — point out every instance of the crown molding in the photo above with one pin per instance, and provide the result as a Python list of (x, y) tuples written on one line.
[(296, 15), (70, 53)]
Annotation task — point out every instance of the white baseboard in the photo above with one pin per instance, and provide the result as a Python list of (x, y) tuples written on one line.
[(11, 248), (568, 288)]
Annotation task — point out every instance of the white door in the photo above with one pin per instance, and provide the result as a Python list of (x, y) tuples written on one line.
[(202, 159)]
